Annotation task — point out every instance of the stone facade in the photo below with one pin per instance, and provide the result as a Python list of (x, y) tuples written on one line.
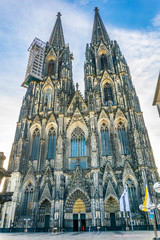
[(73, 155), (156, 100)]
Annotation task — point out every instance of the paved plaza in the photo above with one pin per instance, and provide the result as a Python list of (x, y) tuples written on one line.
[(118, 235)]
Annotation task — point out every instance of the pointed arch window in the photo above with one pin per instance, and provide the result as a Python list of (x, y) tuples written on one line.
[(108, 93), (122, 137), (51, 68), (132, 195), (59, 67), (51, 143), (28, 200), (47, 96), (35, 144), (105, 141), (78, 143), (104, 64)]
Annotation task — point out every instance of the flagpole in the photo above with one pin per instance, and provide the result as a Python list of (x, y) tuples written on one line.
[(131, 220), (129, 210)]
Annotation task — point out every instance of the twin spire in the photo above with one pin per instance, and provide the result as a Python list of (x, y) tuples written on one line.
[(99, 32), (57, 37)]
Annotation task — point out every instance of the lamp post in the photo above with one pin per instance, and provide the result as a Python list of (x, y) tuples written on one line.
[(26, 219), (151, 208), (156, 187), (55, 228), (98, 225), (95, 222)]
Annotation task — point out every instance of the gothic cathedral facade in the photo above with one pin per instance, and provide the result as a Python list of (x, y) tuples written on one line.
[(72, 154)]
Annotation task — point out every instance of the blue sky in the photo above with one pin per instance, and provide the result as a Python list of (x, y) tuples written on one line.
[(135, 24), (124, 13)]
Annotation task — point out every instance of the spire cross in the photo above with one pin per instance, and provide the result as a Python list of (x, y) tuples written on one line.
[(59, 15), (96, 10), (77, 85)]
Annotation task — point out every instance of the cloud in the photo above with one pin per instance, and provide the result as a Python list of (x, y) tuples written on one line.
[(90, 2), (156, 20)]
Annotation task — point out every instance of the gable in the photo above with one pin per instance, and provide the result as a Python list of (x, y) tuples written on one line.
[(78, 97), (106, 78), (51, 55), (47, 175), (102, 49), (103, 115), (51, 119), (77, 116), (110, 191), (30, 176), (128, 173), (120, 117), (45, 194), (36, 120), (108, 172), (48, 83), (78, 181)]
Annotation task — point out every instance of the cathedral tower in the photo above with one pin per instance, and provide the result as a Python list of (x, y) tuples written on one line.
[(72, 155)]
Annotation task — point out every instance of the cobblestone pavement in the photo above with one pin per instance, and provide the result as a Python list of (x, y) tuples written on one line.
[(138, 235)]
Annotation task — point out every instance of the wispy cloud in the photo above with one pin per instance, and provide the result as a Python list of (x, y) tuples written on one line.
[(156, 20)]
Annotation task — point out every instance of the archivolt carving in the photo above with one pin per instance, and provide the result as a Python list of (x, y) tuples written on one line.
[(111, 204), (78, 133), (71, 199)]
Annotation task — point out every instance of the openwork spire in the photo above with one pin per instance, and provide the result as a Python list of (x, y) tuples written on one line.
[(57, 38), (99, 32)]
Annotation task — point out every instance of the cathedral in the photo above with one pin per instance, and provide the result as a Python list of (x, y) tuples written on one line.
[(73, 154)]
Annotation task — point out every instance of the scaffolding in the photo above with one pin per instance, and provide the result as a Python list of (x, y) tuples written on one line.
[(35, 62)]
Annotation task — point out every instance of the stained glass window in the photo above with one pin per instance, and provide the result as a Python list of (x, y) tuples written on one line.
[(105, 141), (78, 143), (104, 62), (132, 195), (47, 96), (28, 200), (35, 145), (122, 136), (108, 93), (51, 68), (51, 143)]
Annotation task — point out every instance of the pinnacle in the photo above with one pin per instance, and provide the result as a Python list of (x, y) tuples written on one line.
[(77, 85)]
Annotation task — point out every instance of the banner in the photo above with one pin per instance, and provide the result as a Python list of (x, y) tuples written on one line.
[(146, 203), (124, 201)]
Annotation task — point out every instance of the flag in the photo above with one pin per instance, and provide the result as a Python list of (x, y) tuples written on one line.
[(146, 203), (124, 201)]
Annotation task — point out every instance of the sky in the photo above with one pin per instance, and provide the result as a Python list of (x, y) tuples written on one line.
[(134, 24)]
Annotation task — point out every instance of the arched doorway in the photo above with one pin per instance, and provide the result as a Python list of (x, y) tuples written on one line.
[(77, 211), (44, 215), (79, 215), (111, 212)]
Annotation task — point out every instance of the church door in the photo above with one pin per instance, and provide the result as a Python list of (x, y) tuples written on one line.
[(113, 221), (75, 222), (83, 222), (46, 225)]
